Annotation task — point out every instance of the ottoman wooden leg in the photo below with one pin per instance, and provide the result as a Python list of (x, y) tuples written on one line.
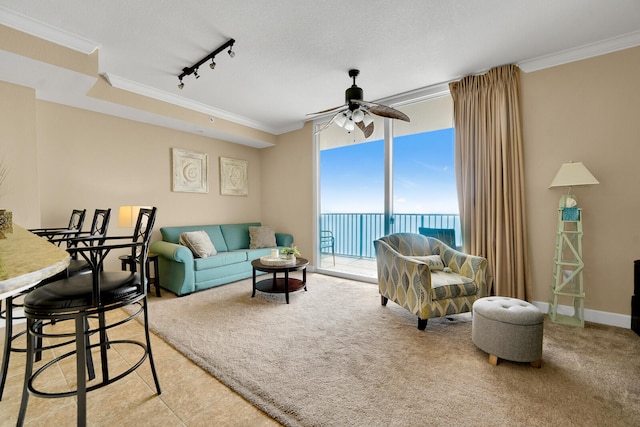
[(537, 363), (493, 359)]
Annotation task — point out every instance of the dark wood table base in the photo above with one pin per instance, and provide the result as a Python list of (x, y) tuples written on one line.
[(279, 285)]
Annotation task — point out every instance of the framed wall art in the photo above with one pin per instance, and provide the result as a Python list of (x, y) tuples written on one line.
[(189, 171), (233, 177)]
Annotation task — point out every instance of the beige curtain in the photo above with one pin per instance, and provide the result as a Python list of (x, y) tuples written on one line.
[(490, 176)]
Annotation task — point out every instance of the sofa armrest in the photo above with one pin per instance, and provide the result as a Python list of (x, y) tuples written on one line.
[(176, 267), (172, 251), (284, 239)]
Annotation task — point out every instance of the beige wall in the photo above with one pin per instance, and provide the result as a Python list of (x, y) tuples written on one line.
[(287, 187), (93, 160), (586, 111), (18, 150)]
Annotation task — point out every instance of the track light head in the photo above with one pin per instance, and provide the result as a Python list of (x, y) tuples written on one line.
[(213, 64), (195, 73), (231, 52), (180, 85)]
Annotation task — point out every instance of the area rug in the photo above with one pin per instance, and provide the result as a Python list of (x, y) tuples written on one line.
[(335, 357)]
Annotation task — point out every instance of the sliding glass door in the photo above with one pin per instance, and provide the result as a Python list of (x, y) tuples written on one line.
[(399, 179), (351, 199)]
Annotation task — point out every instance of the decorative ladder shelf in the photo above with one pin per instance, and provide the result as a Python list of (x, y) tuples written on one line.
[(567, 284)]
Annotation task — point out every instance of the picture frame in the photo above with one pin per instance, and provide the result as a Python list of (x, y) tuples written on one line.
[(233, 177), (189, 171)]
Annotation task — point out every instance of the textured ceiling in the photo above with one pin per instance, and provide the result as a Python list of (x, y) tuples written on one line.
[(293, 55)]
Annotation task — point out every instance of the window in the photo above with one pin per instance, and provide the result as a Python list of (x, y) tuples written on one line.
[(367, 188)]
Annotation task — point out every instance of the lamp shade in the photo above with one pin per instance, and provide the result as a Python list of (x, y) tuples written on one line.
[(572, 174), (127, 216)]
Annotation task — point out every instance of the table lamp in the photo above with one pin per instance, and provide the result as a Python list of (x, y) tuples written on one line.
[(570, 175)]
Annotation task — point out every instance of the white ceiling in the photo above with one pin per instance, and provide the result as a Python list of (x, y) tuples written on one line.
[(293, 55)]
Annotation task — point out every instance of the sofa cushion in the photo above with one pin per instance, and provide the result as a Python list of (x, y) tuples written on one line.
[(172, 234), (219, 260), (199, 243), (257, 253), (237, 235), (262, 237), (433, 261)]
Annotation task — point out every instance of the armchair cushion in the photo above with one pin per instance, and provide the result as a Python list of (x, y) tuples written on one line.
[(450, 285)]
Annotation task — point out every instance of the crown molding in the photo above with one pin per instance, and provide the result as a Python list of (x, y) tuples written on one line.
[(417, 95), (160, 95), (613, 44), (47, 32)]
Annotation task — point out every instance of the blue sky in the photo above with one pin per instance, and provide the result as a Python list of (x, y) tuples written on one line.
[(352, 177)]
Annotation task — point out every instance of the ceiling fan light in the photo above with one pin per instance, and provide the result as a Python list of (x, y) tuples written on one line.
[(357, 115), (350, 125), (340, 119), (367, 119)]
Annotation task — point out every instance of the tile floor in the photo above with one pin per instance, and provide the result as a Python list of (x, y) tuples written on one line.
[(190, 396)]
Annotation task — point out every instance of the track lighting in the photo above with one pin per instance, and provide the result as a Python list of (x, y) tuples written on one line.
[(187, 71)]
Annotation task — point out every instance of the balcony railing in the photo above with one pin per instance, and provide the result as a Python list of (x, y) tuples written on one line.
[(354, 233)]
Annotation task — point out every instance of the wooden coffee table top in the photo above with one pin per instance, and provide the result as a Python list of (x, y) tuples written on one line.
[(300, 264)]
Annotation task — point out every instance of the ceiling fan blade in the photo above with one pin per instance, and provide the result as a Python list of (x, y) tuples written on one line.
[(327, 110), (367, 130), (383, 110), (329, 123)]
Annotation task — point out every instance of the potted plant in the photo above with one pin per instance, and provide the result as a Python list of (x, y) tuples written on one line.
[(290, 252)]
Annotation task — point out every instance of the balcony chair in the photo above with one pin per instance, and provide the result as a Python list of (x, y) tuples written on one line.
[(327, 241), (76, 221), (427, 277), (445, 235), (84, 296), (99, 228)]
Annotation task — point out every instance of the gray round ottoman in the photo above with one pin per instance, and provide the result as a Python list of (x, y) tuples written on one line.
[(508, 328)]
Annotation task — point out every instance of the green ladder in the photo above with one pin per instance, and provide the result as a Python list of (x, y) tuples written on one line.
[(567, 285)]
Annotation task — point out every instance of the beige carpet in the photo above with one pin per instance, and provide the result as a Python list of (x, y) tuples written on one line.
[(336, 357)]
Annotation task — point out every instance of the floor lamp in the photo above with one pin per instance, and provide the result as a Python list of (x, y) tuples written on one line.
[(567, 283)]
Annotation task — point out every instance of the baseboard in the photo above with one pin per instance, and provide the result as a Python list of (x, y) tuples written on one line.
[(595, 316)]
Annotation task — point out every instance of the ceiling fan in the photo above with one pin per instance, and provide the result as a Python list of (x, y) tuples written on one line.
[(356, 112)]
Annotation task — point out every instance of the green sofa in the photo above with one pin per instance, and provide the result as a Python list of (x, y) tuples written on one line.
[(183, 274)]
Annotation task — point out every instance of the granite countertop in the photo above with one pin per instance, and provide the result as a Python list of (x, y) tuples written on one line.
[(26, 259)]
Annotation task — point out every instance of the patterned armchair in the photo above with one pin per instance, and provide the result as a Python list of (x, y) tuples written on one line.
[(409, 275)]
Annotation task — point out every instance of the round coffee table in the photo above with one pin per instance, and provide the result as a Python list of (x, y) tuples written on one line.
[(284, 284)]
